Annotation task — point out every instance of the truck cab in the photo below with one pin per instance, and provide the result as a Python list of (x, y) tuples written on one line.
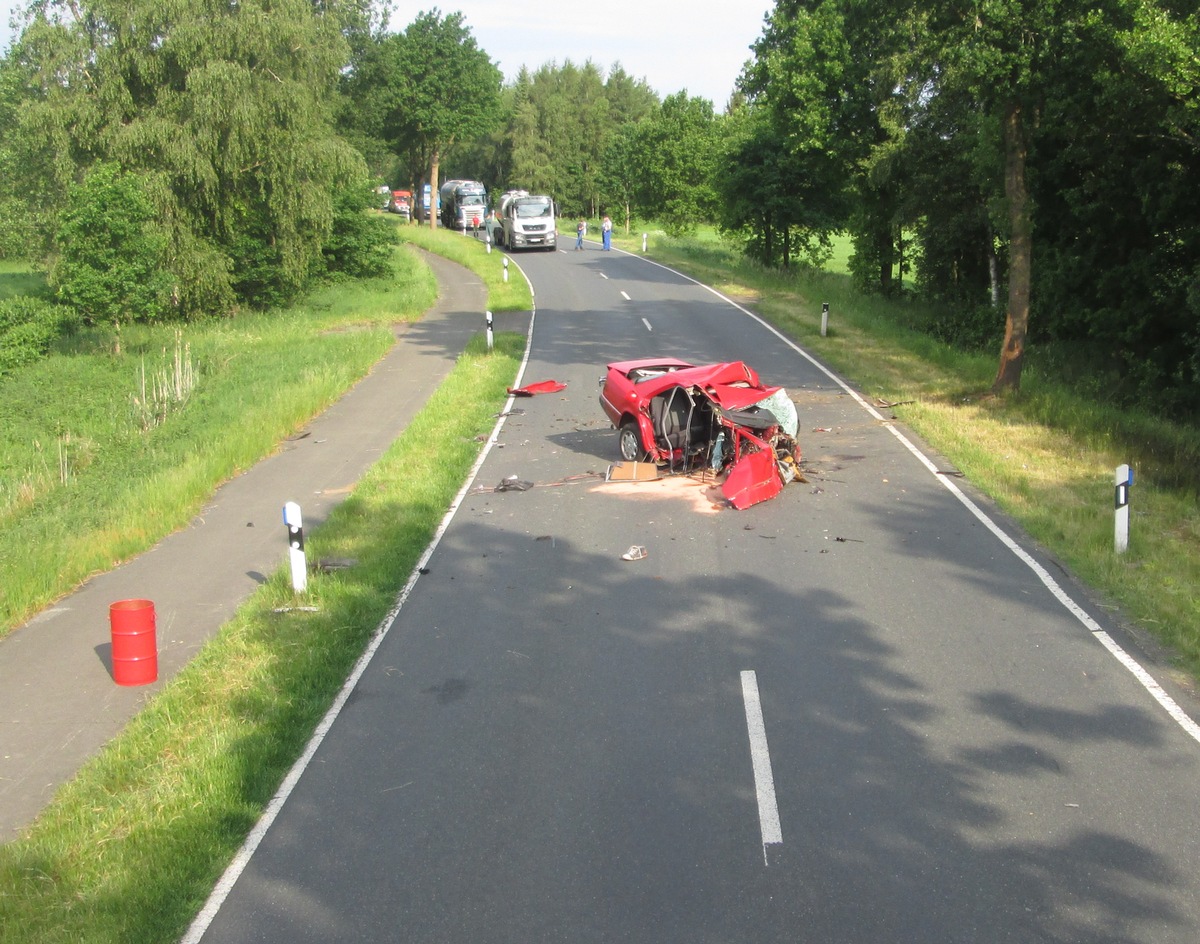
[(525, 221)]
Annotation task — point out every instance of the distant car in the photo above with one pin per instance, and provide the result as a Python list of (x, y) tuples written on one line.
[(719, 417)]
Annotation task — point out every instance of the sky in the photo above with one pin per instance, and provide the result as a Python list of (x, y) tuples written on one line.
[(674, 45), (699, 46)]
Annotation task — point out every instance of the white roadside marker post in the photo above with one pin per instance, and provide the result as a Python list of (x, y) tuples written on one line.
[(490, 337), (506, 269), (824, 318), (1121, 502), (643, 242), (295, 526)]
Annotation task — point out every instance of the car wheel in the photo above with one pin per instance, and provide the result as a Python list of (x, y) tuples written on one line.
[(631, 442)]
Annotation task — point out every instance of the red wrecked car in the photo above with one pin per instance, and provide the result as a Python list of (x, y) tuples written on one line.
[(718, 417)]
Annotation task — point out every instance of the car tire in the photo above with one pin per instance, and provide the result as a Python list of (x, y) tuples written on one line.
[(630, 440)]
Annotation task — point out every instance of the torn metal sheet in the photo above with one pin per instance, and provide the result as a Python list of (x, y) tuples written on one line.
[(752, 479)]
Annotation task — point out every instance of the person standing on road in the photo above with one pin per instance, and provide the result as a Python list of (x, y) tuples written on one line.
[(580, 229), (606, 233)]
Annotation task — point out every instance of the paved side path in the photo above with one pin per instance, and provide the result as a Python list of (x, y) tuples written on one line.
[(58, 702)]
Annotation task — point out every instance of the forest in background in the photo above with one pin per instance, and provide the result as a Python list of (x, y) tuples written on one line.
[(1028, 171)]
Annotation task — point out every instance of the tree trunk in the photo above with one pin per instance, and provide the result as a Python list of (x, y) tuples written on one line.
[(1020, 223), (434, 160), (886, 249), (993, 261)]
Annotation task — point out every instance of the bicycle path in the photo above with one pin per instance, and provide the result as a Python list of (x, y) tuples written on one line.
[(59, 704)]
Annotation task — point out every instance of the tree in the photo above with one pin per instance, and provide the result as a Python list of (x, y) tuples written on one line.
[(427, 89), (223, 111), (17, 226), (801, 135), (111, 251), (675, 157)]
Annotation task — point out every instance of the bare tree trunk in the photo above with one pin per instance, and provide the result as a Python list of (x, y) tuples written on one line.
[(434, 160), (886, 249), (1012, 354)]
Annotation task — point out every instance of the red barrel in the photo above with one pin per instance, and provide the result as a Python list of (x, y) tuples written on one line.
[(134, 647)]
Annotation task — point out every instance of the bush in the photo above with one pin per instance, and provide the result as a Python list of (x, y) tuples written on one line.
[(111, 253), (361, 243), (28, 328)]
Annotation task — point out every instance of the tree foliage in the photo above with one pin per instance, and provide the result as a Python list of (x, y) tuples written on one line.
[(223, 112), (425, 90), (111, 251), (1048, 149)]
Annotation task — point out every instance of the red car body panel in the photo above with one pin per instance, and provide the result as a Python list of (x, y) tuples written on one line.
[(752, 479)]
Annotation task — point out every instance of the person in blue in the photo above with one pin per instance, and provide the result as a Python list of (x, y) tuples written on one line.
[(580, 229), (606, 233)]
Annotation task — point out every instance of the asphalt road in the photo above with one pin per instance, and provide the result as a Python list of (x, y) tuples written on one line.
[(849, 714)]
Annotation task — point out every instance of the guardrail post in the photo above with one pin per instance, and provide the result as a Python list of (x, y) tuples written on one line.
[(1124, 482), (294, 522)]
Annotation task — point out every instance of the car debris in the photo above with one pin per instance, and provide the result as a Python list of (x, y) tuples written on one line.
[(542, 386), (632, 472), (717, 418)]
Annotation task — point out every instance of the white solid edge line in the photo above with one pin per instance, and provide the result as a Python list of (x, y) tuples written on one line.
[(233, 872), (1148, 682), (760, 759)]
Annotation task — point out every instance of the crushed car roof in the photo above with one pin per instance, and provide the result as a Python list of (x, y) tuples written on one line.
[(733, 385)]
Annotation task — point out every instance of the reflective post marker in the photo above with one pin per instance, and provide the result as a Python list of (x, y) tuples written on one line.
[(643, 242), (1121, 503), (295, 527), (488, 318), (824, 318), (506, 268), (487, 240)]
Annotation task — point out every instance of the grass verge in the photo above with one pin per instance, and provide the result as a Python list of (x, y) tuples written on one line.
[(129, 850), (473, 254)]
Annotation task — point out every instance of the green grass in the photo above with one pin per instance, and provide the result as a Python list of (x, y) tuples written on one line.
[(513, 295), (129, 850), (18, 278), (84, 485)]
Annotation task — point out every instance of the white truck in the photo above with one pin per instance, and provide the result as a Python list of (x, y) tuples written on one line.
[(523, 221)]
